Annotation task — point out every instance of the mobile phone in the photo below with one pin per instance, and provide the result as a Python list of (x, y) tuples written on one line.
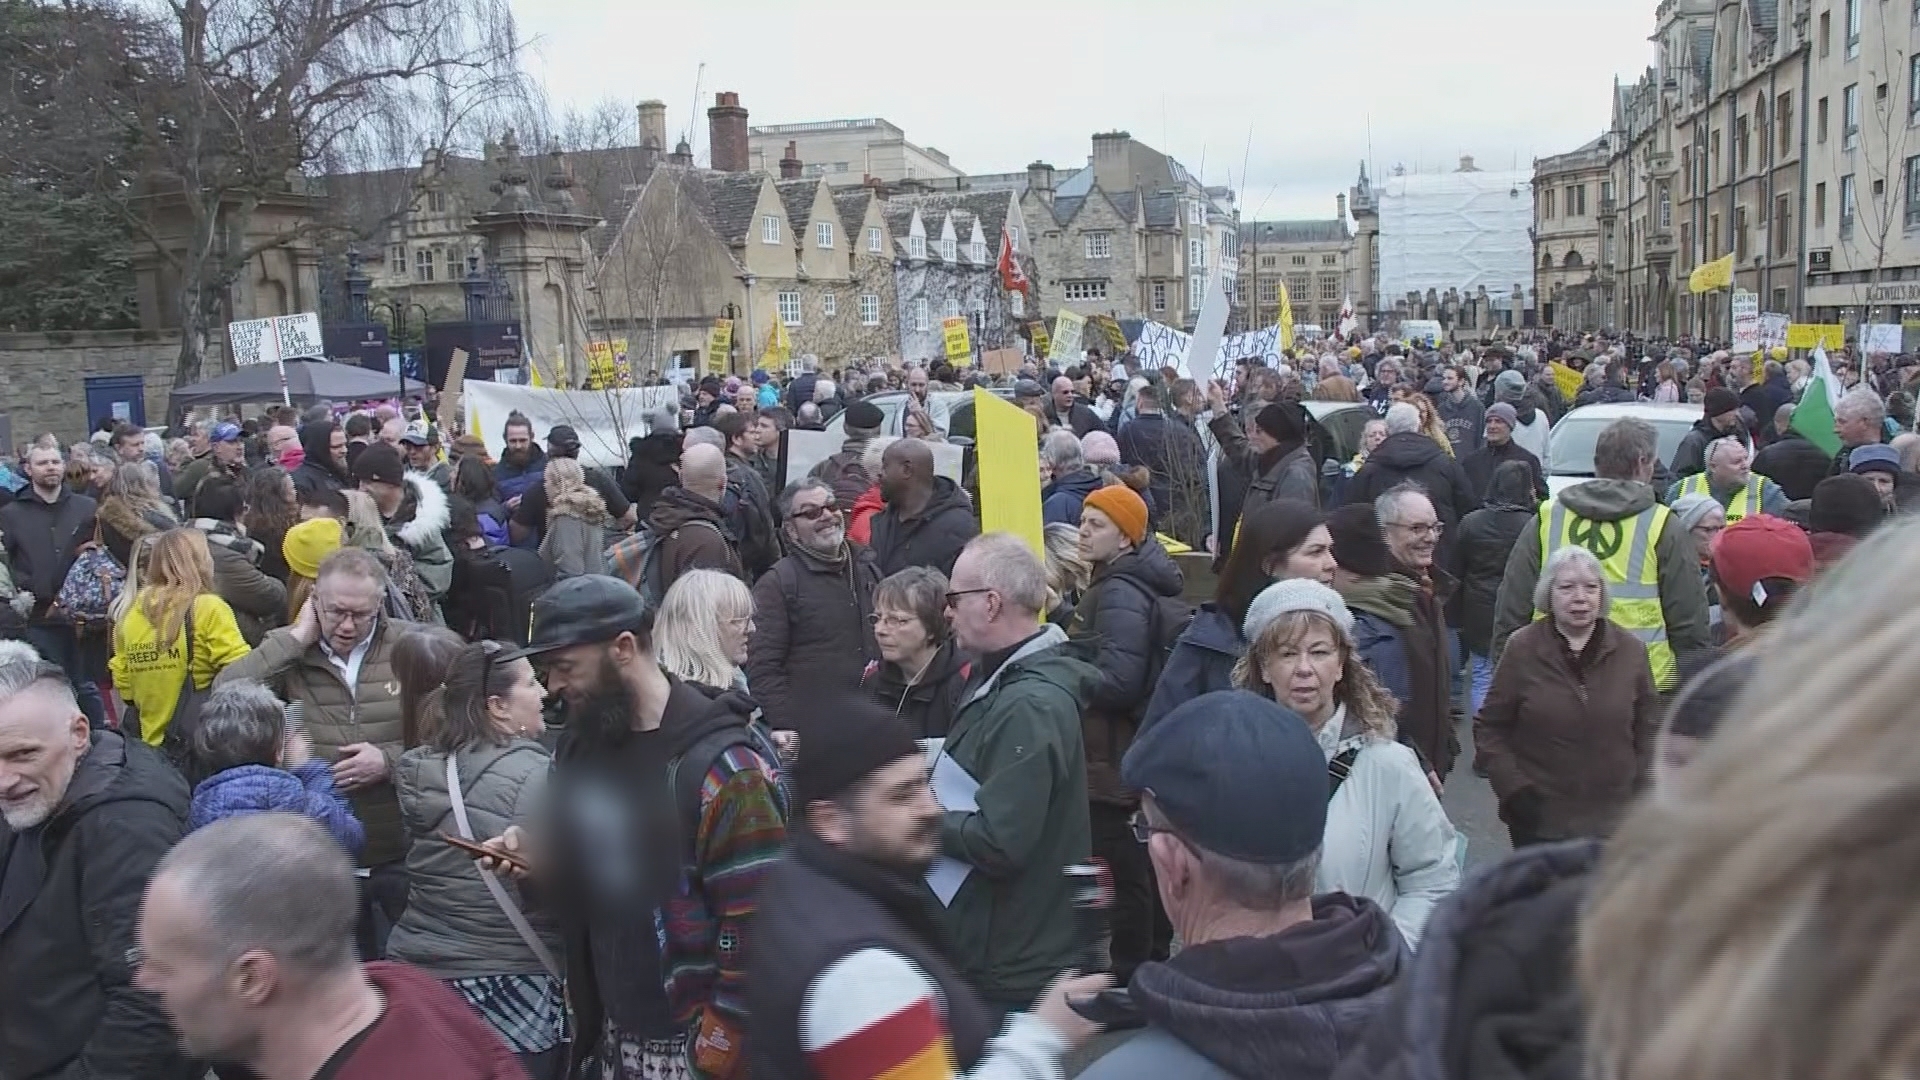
[(478, 852)]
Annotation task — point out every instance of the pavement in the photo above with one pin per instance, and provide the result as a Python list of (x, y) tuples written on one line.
[(1469, 803)]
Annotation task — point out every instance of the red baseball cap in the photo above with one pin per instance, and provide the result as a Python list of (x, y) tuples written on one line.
[(1759, 547)]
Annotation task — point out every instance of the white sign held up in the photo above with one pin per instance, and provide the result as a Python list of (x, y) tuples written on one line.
[(1746, 321), (269, 341)]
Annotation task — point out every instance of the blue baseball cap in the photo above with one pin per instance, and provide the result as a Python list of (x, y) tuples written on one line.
[(226, 432)]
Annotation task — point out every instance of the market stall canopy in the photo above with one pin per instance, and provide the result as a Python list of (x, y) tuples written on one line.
[(308, 381)]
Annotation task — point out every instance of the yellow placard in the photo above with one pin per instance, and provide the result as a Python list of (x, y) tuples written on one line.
[(604, 361), (1109, 328), (1568, 380), (1009, 447), (719, 346), (959, 347), (1286, 318), (1717, 274), (779, 348), (1807, 335), (1041, 341)]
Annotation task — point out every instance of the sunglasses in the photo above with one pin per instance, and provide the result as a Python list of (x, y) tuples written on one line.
[(815, 513)]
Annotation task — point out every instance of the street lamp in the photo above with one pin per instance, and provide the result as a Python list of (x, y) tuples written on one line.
[(747, 280)]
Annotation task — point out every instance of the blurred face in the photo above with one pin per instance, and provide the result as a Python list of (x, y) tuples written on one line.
[(891, 818), (1101, 541), (1498, 433), (131, 448), (1449, 381), (917, 383), (1312, 559), (230, 452), (42, 736), (198, 439), (899, 633), (349, 609), (420, 457), (517, 712), (1303, 673), (1704, 533), (207, 1001), (1414, 532), (971, 607), (391, 431), (1373, 435), (735, 631), (1576, 598), (100, 475), (1727, 422), (743, 398), (1882, 483), (386, 496), (1729, 467), (279, 438), (916, 426), (764, 434), (814, 522)]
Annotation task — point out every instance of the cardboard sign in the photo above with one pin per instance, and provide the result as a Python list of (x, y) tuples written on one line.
[(719, 346), (1001, 361), (1746, 321), (959, 348), (450, 395), (1880, 337), (1067, 330)]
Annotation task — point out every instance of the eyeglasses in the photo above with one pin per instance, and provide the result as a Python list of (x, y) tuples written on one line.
[(954, 598), (343, 615), (894, 619), (815, 513), (1430, 528), (1143, 829)]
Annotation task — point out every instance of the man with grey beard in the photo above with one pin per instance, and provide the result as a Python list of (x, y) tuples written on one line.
[(85, 816), (812, 628)]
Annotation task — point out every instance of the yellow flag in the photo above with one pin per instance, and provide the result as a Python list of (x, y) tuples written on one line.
[(1717, 274), (779, 348), (1009, 467), (1568, 380), (1286, 318)]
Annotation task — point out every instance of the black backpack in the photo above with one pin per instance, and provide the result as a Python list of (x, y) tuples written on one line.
[(688, 770), (1168, 618)]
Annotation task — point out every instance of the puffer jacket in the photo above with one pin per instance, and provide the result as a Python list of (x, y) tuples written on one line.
[(932, 538), (811, 633), (1480, 556), (1201, 662), (453, 928), (1060, 502), (650, 469), (1411, 456), (337, 715), (419, 526), (1117, 613), (306, 790)]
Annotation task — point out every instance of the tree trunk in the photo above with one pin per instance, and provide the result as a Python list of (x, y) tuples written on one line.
[(194, 330)]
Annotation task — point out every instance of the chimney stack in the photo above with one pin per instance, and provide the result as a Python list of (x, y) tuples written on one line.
[(653, 132), (1040, 180), (727, 133), (1340, 206), (790, 167)]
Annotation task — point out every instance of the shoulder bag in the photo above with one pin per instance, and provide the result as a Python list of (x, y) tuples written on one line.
[(507, 907)]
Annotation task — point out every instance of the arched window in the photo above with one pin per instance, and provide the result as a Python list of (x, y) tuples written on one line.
[(1546, 260), (1572, 260)]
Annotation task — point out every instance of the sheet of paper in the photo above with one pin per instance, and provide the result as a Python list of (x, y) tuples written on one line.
[(945, 877), (953, 789)]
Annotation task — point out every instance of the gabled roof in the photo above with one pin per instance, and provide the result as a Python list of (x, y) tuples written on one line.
[(797, 196), (989, 207), (852, 207), (727, 200), (1067, 207), (1329, 231), (1162, 210)]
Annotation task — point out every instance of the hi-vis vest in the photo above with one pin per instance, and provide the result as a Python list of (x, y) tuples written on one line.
[(1625, 550), (1745, 502)]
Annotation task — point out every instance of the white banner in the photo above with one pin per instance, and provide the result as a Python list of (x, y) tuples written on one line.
[(1746, 321), (268, 341), (605, 419), (1160, 345)]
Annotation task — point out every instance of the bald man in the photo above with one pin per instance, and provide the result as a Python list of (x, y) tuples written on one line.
[(928, 518), (687, 520)]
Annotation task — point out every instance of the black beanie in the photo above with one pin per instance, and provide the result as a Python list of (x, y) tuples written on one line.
[(860, 738), (1359, 546), (1281, 421), (1848, 504)]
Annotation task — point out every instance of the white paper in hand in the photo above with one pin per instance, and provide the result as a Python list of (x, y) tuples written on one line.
[(953, 789)]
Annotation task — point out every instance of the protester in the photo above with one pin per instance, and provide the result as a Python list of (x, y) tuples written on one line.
[(323, 462), (1274, 453), (259, 602), (473, 481), (172, 636), (1859, 420), (1070, 410), (844, 471), (574, 535), (1462, 416), (521, 463), (1844, 510), (1665, 607), (1070, 479), (1567, 729), (1499, 449), (813, 611), (665, 812), (688, 522), (414, 514), (271, 896), (1067, 572), (1731, 482), (254, 764), (1410, 457), (920, 673), (1479, 563), (703, 628), (1721, 419), (88, 814), (1122, 615), (42, 531), (927, 520), (1416, 659), (1880, 464), (478, 769), (1758, 565), (532, 514), (747, 508), (1018, 734), (1271, 980), (130, 445), (271, 508), (132, 508), (1176, 460), (226, 457), (650, 461), (336, 663)]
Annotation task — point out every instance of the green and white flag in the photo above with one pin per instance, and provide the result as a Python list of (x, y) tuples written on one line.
[(1813, 417)]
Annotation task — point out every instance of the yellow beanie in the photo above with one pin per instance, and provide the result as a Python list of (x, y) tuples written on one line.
[(309, 543), (1778, 353), (1127, 511)]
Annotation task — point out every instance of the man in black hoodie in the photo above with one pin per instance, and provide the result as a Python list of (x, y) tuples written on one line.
[(84, 819), (1271, 981), (927, 520), (1407, 456), (41, 531), (324, 467)]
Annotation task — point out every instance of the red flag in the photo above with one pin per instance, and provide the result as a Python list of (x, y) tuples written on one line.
[(1011, 276)]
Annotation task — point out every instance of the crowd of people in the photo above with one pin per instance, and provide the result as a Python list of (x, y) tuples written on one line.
[(331, 748)]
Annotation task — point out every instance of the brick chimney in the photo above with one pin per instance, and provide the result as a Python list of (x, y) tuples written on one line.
[(727, 132), (653, 132), (790, 167)]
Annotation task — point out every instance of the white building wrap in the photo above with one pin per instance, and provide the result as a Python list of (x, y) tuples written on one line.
[(1456, 230)]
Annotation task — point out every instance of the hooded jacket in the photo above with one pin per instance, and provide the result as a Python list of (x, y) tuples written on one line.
[(1401, 638), (933, 537), (812, 635), (860, 522), (1287, 1006), (650, 469), (1117, 614), (1486, 540), (1484, 462), (1411, 456), (419, 525), (1018, 733), (316, 471), (1492, 992), (927, 705), (42, 539), (1683, 596), (1691, 455), (1201, 662), (1289, 473), (1061, 500), (693, 536), (70, 893)]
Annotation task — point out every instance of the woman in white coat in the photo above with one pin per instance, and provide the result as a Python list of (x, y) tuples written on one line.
[(1387, 838)]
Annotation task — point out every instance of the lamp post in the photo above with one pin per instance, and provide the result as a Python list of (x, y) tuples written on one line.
[(747, 280)]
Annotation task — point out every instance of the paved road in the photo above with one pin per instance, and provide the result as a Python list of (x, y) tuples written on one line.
[(1469, 802)]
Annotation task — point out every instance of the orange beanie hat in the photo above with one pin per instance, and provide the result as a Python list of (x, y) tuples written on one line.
[(1126, 510)]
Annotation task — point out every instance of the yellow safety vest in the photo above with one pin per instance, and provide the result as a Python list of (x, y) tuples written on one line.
[(1745, 502), (1626, 552)]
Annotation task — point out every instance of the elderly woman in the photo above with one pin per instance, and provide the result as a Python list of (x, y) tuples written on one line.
[(920, 672), (1703, 517), (701, 632), (1387, 837), (1567, 729)]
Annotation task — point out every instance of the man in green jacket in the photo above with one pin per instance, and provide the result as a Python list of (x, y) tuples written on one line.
[(1017, 732)]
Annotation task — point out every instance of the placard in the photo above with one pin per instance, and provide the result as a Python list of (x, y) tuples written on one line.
[(268, 341), (1807, 335), (1880, 338), (450, 395), (1746, 321), (1001, 361), (1067, 328), (719, 346), (954, 333), (1773, 330)]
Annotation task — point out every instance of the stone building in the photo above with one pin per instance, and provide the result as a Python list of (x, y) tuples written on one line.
[(946, 254), (1568, 255), (1313, 258), (848, 153)]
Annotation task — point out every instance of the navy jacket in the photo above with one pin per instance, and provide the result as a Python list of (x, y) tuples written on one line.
[(1201, 662)]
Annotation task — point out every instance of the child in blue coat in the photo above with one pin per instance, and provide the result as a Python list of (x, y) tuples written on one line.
[(255, 766)]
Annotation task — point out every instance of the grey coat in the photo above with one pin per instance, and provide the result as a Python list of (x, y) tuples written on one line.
[(452, 927)]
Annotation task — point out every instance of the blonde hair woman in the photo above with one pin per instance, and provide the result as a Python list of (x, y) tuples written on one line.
[(1067, 572), (1387, 837), (1430, 424), (700, 634), (170, 609), (1753, 918), (575, 537)]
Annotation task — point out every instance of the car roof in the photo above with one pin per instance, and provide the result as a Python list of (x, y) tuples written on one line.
[(1643, 410), (1321, 409)]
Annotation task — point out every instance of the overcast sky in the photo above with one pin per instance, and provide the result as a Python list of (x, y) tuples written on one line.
[(996, 84)]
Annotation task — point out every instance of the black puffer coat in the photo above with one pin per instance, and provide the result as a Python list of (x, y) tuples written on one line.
[(1117, 612), (1480, 551), (928, 705), (932, 538), (1411, 456), (650, 469)]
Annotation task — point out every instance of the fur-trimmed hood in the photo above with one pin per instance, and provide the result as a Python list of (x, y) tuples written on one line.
[(423, 513), (122, 517)]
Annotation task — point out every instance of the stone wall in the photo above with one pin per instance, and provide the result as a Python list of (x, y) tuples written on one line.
[(43, 377)]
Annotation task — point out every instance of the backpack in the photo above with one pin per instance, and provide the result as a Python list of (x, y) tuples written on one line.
[(92, 584), (688, 770), (1167, 620), (636, 558)]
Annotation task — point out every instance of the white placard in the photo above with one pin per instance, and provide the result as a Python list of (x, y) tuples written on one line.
[(1880, 338), (1204, 348), (1773, 330), (1746, 321), (268, 341)]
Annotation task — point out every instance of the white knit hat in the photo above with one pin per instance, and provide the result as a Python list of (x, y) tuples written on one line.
[(1295, 594)]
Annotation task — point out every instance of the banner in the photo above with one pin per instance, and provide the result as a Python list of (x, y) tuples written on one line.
[(1008, 445), (1746, 321), (1286, 317), (719, 347), (605, 419), (1421, 332), (1773, 330), (1160, 345), (779, 348), (1568, 380), (1717, 274), (1067, 329), (954, 333), (1880, 338), (1808, 335)]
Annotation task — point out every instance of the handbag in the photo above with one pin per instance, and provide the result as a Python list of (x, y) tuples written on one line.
[(177, 743), (507, 907)]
